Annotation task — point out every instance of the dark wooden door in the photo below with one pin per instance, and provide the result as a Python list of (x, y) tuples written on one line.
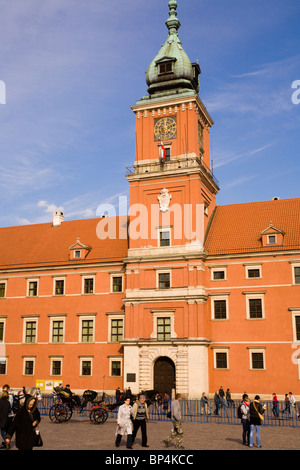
[(164, 375)]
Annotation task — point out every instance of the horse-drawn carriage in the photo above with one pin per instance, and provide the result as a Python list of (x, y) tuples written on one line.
[(62, 410)]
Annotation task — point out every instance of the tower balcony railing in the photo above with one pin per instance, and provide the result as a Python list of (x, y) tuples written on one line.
[(190, 161)]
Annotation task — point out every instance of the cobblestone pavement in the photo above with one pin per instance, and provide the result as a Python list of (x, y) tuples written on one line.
[(80, 434)]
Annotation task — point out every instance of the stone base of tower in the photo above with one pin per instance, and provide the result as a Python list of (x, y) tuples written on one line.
[(188, 359)]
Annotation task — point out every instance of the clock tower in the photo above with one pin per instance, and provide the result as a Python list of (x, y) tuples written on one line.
[(172, 197)]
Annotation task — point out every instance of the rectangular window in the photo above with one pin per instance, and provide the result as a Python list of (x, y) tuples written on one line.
[(116, 330), (88, 286), (164, 281), (2, 289), (163, 328), (221, 360), (116, 368), (86, 367), (297, 324), (297, 275), (117, 283), (257, 360), (166, 67), (218, 275), (28, 367), (58, 331), (32, 288), (87, 334), (253, 272), (220, 309), (56, 367), (255, 308), (2, 367), (1, 331), (164, 238), (59, 287), (30, 332), (272, 239)]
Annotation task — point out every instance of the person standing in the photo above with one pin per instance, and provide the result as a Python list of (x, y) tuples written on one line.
[(217, 401), (5, 410), (245, 420), (24, 425), (124, 427), (256, 417), (177, 431), (292, 404), (140, 418), (275, 405)]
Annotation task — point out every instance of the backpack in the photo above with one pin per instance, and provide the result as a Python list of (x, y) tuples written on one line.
[(239, 412)]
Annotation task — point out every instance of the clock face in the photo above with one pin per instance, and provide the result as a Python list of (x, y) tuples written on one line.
[(165, 128)]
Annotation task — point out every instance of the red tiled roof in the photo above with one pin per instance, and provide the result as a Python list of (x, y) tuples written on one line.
[(45, 245), (237, 228)]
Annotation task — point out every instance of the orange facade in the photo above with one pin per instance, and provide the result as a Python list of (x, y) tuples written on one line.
[(183, 294)]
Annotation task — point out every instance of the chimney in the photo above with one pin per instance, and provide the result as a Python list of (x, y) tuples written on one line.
[(58, 218)]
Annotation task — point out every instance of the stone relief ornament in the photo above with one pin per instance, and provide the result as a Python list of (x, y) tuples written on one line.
[(164, 200)]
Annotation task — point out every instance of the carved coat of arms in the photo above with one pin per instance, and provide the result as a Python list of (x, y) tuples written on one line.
[(164, 200)]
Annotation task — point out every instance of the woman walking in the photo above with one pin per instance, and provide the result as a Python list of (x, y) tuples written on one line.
[(24, 425), (124, 421)]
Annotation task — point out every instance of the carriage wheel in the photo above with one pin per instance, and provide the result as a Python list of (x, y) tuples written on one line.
[(60, 413), (98, 416)]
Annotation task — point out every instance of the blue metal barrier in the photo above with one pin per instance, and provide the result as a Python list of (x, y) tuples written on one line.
[(194, 412)]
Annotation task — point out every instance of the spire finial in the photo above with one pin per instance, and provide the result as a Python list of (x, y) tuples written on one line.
[(173, 24)]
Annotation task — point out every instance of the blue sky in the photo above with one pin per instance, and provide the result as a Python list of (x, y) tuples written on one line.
[(72, 69)]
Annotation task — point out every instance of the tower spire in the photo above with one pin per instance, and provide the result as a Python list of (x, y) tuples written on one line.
[(173, 23)]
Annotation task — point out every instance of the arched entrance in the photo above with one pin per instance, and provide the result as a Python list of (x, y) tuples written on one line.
[(164, 375)]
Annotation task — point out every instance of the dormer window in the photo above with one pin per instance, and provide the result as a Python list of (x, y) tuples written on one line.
[(166, 65), (272, 236), (79, 251)]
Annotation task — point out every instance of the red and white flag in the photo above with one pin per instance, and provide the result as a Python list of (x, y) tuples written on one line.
[(163, 152)]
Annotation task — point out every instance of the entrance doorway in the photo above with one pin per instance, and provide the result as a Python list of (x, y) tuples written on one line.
[(164, 375)]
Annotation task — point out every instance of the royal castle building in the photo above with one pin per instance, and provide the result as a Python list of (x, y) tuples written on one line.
[(180, 294)]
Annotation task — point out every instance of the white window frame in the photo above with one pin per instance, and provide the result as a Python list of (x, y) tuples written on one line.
[(255, 296), (272, 236), (214, 297), (29, 280), (218, 269), (257, 350), (29, 358), (163, 271), (4, 281), (113, 316), (3, 320), (82, 318), (81, 360), (295, 313), (88, 276), (115, 359), (27, 320), (112, 276), (52, 320), (221, 350), (59, 278), (252, 266), (163, 314), (53, 359), (159, 231), (295, 265)]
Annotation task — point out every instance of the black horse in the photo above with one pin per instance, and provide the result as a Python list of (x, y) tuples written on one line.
[(152, 397)]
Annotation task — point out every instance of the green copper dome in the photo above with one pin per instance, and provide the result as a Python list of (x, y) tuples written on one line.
[(171, 71)]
